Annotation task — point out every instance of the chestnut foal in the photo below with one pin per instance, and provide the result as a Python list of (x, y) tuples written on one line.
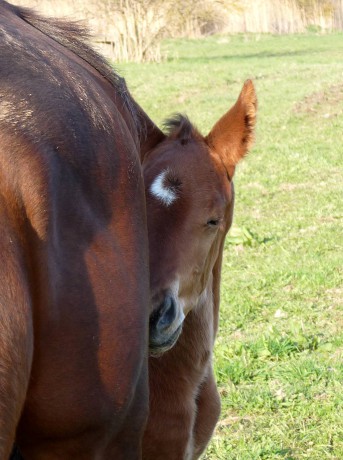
[(190, 199)]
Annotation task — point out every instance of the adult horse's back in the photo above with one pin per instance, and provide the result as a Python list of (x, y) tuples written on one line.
[(73, 243)]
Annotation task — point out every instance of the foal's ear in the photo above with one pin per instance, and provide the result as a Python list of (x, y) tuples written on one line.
[(233, 134)]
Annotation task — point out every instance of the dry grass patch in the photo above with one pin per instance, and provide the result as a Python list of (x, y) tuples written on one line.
[(327, 103)]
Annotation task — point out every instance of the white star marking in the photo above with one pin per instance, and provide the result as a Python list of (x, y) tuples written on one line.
[(165, 194)]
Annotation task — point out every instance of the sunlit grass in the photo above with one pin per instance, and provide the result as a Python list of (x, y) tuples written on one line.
[(279, 351)]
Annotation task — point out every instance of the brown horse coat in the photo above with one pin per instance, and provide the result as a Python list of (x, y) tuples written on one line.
[(190, 199), (74, 278)]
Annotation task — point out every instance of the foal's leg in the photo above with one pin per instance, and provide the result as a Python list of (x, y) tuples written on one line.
[(208, 411), (168, 435)]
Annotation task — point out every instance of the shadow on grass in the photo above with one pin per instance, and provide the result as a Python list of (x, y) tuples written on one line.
[(285, 453), (262, 54)]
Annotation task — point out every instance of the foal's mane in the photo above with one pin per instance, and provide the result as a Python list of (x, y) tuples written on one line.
[(75, 37)]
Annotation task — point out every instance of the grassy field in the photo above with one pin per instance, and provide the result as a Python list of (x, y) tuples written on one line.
[(279, 352)]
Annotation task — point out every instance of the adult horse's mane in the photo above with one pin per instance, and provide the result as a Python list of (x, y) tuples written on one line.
[(75, 37)]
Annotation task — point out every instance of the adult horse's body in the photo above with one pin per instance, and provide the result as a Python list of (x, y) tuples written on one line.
[(74, 280), (190, 200)]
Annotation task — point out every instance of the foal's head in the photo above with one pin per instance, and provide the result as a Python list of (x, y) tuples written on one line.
[(190, 198)]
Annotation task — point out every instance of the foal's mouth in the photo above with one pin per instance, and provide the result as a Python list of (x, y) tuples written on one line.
[(157, 348)]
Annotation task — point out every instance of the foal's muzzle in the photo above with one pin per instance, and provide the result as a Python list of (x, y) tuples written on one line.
[(165, 325)]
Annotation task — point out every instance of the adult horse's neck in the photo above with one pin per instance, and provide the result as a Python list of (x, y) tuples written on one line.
[(149, 133), (74, 38)]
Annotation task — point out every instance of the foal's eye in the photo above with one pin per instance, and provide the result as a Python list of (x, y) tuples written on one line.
[(213, 223)]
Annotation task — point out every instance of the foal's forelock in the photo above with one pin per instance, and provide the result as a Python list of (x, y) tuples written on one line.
[(179, 127)]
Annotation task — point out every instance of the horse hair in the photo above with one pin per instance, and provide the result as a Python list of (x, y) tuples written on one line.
[(179, 126), (16, 455), (73, 36)]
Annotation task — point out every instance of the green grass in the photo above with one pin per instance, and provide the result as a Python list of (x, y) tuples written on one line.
[(279, 351)]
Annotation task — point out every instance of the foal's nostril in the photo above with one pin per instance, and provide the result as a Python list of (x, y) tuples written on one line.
[(165, 315), (165, 325), (168, 313)]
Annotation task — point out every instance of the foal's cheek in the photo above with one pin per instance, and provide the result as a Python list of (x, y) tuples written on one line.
[(191, 288)]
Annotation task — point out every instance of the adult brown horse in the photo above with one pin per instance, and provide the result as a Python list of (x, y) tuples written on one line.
[(74, 278), (190, 199)]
